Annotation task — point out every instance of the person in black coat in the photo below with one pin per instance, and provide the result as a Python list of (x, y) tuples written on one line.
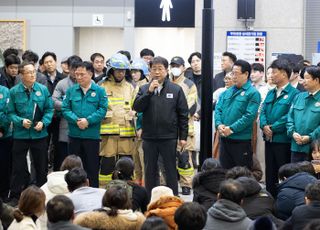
[(206, 183)]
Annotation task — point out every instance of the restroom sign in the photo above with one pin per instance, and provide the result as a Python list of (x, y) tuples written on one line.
[(164, 13)]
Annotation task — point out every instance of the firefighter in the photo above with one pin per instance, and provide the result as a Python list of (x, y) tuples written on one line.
[(117, 129), (185, 167)]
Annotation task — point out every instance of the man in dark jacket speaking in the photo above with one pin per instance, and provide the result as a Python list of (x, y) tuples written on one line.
[(164, 120)]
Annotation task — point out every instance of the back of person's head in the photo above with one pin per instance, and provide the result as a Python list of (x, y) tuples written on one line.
[(190, 215), (231, 190), (306, 166), (10, 51), (312, 191), (282, 65), (262, 223), (123, 169), (313, 225), (159, 61), (154, 223), (60, 208), (232, 56), (30, 56), (209, 164), (288, 170), (115, 198), (194, 54), (12, 59), (257, 67), (146, 52), (70, 162), (72, 60), (31, 202), (160, 191), (244, 65), (238, 171), (76, 178)]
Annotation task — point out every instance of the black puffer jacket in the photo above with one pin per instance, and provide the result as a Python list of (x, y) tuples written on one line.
[(206, 186)]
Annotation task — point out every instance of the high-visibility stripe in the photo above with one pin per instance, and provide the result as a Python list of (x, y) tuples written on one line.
[(109, 129), (191, 130), (186, 172), (104, 180), (127, 132)]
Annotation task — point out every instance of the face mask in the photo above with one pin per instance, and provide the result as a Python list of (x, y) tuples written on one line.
[(176, 71)]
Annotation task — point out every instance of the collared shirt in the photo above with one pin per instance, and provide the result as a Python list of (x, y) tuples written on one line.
[(315, 92), (279, 90), (85, 90)]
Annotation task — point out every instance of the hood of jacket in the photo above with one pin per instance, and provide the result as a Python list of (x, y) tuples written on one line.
[(227, 210), (210, 179), (250, 185), (56, 185), (297, 181)]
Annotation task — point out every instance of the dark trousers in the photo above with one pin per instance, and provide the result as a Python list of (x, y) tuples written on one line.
[(299, 156), (235, 153), (60, 155), (5, 166), (53, 142), (167, 149), (20, 175), (276, 155), (88, 151)]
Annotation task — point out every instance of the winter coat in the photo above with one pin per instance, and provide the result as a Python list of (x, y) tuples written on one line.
[(225, 214), (26, 223), (206, 186), (291, 193), (125, 220), (165, 208), (65, 225)]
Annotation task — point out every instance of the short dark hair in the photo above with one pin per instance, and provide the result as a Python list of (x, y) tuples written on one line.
[(87, 65), (60, 208), (244, 65), (238, 171), (194, 54), (306, 166), (154, 223), (12, 59), (30, 56), (115, 198), (161, 61), (314, 72), (190, 215), (257, 67), (146, 52), (282, 64), (312, 191), (123, 169), (125, 53), (94, 55), (75, 178), (46, 54), (232, 56), (10, 51), (70, 162), (232, 190), (288, 170), (72, 60), (210, 163), (23, 64), (315, 144)]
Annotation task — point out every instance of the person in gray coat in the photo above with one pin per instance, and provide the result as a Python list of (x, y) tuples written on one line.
[(227, 213), (60, 211)]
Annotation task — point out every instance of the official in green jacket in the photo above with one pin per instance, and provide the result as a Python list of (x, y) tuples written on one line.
[(30, 110), (5, 143), (273, 119), (304, 116), (84, 108), (234, 116)]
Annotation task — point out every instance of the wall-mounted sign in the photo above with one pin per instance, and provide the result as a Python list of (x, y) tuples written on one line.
[(248, 45), (97, 19), (164, 13)]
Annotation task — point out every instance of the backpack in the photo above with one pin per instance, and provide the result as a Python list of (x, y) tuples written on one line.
[(122, 184)]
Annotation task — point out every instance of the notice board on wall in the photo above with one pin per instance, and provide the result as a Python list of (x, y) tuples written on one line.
[(12, 34), (248, 45)]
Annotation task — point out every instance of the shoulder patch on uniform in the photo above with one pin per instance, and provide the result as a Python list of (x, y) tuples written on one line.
[(188, 82)]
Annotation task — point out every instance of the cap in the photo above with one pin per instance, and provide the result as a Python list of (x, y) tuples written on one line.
[(160, 191), (177, 60)]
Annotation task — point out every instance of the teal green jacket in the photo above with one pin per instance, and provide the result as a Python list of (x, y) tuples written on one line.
[(304, 118), (92, 106), (139, 121), (21, 106), (275, 110), (238, 110), (4, 118)]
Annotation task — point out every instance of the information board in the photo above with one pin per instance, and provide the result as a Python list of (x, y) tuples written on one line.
[(248, 45)]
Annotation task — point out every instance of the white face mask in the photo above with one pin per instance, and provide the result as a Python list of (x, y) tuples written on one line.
[(176, 71)]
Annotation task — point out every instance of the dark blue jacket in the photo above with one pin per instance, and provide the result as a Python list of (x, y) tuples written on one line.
[(291, 193)]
